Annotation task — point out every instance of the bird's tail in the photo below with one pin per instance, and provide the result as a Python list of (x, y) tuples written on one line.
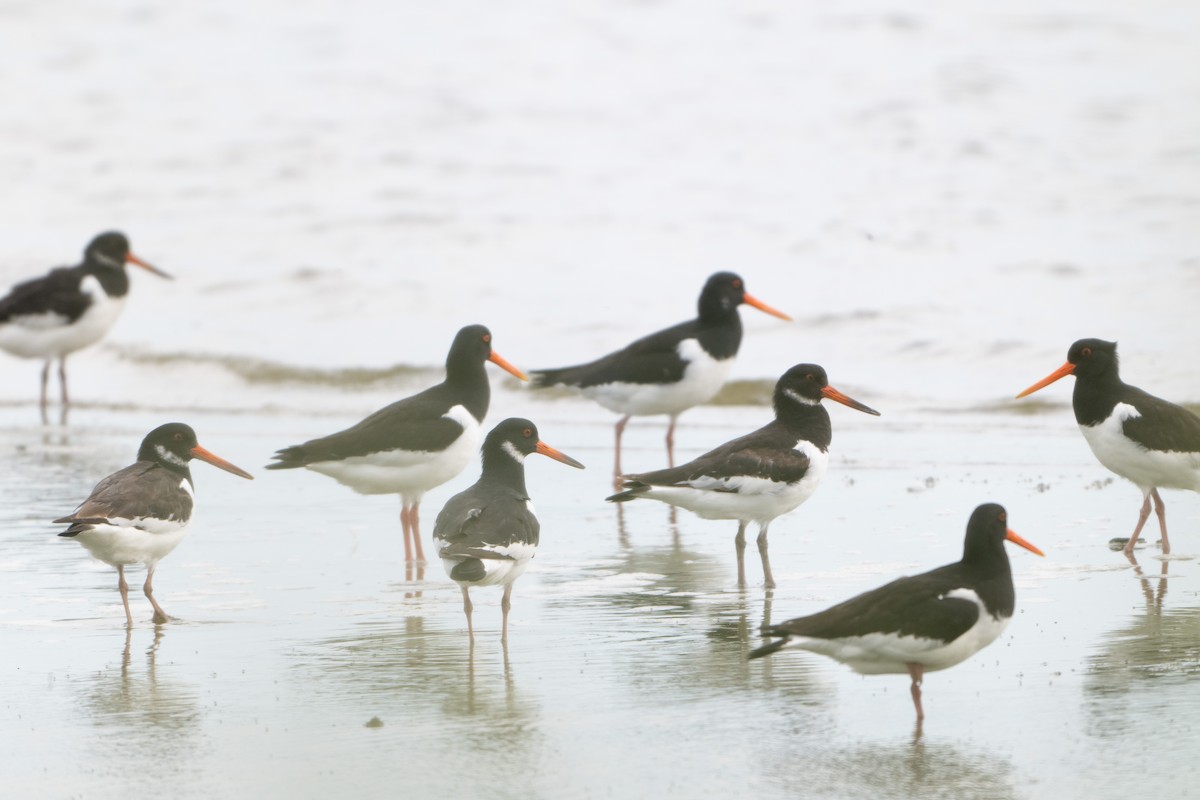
[(633, 490)]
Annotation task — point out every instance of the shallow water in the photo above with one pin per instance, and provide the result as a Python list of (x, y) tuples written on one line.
[(303, 663), (944, 197)]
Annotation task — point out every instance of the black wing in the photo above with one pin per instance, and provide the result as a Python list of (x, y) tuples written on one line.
[(755, 455), (415, 424), (1162, 424), (651, 359), (909, 606), (468, 524), (56, 293), (140, 491)]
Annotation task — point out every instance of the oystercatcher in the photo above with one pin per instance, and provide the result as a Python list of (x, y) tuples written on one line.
[(921, 623), (70, 307), (139, 514), (487, 534), (759, 476), (414, 444), (670, 371), (1144, 439)]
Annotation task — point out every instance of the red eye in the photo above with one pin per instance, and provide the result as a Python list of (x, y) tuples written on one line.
[(179, 437), (1003, 516), (737, 283), (1085, 352), (487, 337), (527, 432), (810, 377)]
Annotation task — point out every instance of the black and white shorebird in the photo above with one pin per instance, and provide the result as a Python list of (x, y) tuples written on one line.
[(486, 535), (70, 307), (414, 444), (670, 371), (139, 514), (1153, 443), (921, 623), (759, 476)]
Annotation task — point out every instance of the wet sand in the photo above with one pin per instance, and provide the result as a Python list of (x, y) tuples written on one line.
[(303, 663)]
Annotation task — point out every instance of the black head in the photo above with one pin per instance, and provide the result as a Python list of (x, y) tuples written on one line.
[(471, 347), (724, 292), (1093, 357), (987, 530), (111, 251), (518, 438), (173, 445), (1087, 360), (807, 385)]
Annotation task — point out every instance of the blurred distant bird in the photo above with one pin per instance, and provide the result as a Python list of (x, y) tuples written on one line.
[(414, 444), (670, 371), (759, 476), (487, 534), (139, 514), (69, 308), (1144, 439), (922, 623)]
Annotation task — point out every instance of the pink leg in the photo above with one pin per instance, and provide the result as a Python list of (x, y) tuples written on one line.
[(917, 673), (739, 544), (45, 387), (467, 610), (1145, 513), (160, 616), (617, 464), (505, 605), (414, 524), (124, 587), (62, 380), (404, 524), (671, 442), (1160, 508), (766, 560)]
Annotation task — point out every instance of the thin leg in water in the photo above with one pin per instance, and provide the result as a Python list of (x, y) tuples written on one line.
[(124, 587), (766, 559), (739, 544), (917, 673), (617, 473), (1142, 517), (45, 388), (62, 380), (505, 605), (414, 524), (160, 616), (671, 441), (1160, 508), (467, 610)]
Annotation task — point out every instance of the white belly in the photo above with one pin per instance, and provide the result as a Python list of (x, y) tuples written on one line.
[(50, 335), (1147, 469), (890, 653), (404, 472), (702, 379), (755, 499), (120, 545)]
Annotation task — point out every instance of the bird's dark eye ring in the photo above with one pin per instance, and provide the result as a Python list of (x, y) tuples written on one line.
[(737, 283), (487, 337), (1003, 516), (1085, 352), (527, 432)]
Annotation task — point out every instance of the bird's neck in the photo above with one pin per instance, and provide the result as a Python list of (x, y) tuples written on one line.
[(808, 423), (720, 331), (504, 468), (114, 281), (1096, 396), (472, 382)]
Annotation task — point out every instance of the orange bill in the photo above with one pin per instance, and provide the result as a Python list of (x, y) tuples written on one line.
[(1062, 372), (130, 258), (507, 367), (1015, 539), (834, 394), (202, 454), (547, 450), (761, 306)]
